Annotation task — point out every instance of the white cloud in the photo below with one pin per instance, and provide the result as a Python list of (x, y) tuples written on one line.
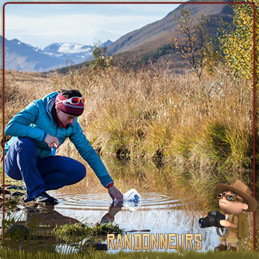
[(85, 24), (81, 28)]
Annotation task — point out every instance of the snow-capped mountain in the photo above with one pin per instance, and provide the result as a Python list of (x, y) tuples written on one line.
[(24, 57), (71, 53), (67, 48)]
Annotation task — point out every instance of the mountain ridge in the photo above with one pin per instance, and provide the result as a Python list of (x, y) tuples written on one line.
[(155, 35), (25, 57), (141, 44)]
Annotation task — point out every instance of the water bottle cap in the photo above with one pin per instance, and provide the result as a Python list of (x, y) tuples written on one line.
[(53, 151)]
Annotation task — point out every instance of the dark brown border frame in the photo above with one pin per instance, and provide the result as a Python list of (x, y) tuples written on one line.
[(254, 77)]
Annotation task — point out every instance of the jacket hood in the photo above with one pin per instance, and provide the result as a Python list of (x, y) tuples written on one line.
[(50, 101)]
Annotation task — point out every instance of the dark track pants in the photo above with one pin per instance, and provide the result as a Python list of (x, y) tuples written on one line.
[(40, 174)]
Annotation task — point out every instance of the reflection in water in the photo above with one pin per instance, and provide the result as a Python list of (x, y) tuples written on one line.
[(32, 228), (159, 213)]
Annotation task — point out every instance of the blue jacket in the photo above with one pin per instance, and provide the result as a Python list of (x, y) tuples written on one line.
[(36, 121)]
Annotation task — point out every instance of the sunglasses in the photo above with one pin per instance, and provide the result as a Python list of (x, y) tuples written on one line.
[(73, 100), (229, 197)]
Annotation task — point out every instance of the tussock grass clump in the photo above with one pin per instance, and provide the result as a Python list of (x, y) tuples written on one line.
[(85, 237), (79, 230)]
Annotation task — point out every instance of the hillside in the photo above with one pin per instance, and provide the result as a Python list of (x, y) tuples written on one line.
[(150, 42), (154, 37)]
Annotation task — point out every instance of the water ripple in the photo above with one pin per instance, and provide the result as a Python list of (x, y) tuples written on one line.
[(102, 201)]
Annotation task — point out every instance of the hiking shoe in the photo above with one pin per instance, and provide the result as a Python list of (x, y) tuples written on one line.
[(45, 198), (220, 248)]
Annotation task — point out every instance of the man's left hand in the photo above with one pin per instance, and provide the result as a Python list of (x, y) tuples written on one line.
[(115, 193)]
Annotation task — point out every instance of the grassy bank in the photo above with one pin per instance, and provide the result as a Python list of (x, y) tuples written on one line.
[(142, 255), (157, 129), (190, 134)]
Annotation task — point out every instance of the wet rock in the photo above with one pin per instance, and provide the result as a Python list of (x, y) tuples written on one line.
[(15, 187), (6, 192), (17, 194), (9, 199), (11, 202), (100, 247)]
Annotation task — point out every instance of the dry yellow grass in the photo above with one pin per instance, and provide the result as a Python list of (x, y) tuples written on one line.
[(155, 130), (173, 129)]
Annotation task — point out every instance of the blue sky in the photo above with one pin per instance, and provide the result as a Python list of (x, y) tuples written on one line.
[(40, 25)]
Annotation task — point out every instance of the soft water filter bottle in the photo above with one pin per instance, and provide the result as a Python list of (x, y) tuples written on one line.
[(131, 200), (132, 196)]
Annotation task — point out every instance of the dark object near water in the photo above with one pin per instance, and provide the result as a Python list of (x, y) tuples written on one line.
[(15, 187), (17, 231), (17, 194), (100, 246), (212, 220), (6, 192)]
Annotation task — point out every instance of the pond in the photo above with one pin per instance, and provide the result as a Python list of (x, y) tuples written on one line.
[(159, 216)]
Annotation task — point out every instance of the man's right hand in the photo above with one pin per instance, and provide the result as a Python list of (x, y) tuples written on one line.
[(115, 193), (52, 141)]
